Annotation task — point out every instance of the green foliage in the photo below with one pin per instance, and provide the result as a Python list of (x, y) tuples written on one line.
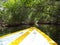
[(23, 10), (32, 10)]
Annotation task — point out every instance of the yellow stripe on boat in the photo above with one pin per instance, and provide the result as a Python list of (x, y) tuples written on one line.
[(19, 39), (30, 36), (47, 37)]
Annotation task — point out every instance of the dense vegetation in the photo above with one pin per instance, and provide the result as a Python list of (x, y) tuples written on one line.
[(30, 11)]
